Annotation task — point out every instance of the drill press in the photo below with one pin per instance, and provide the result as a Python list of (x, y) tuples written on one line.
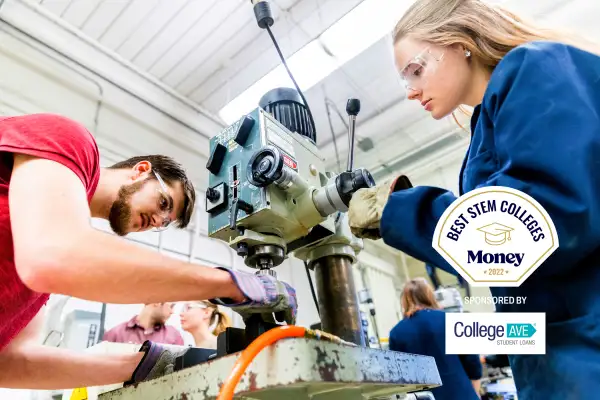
[(269, 197)]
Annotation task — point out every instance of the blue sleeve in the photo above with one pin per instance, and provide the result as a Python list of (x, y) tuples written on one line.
[(409, 219), (543, 102), (396, 343), (472, 366)]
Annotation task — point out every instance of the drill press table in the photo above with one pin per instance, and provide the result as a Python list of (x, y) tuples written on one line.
[(297, 369)]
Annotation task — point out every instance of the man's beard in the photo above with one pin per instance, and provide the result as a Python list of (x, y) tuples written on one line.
[(120, 211)]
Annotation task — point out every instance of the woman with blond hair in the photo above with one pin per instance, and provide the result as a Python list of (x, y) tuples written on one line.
[(422, 332), (535, 128), (204, 321)]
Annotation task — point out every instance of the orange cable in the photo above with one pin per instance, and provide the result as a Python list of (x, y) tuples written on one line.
[(248, 355)]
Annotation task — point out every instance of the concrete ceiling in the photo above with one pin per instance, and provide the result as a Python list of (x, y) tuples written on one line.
[(212, 50)]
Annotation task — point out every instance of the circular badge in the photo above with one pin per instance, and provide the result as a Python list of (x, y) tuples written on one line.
[(495, 236)]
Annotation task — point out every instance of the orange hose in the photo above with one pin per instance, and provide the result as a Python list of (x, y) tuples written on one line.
[(264, 340)]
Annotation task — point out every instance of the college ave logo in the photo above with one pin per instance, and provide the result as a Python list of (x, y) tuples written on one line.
[(496, 333), (495, 236)]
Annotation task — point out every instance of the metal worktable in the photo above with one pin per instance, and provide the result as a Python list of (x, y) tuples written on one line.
[(297, 369)]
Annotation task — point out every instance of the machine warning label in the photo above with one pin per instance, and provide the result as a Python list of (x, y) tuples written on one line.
[(232, 145), (290, 162), (280, 141)]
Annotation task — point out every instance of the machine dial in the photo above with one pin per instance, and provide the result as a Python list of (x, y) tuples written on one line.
[(265, 166)]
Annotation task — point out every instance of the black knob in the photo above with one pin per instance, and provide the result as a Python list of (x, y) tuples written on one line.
[(353, 107), (348, 183), (265, 165), (242, 249), (237, 205), (212, 195), (362, 179), (262, 12)]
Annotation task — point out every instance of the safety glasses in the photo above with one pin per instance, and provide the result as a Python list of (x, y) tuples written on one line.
[(416, 72), (193, 306), (165, 205)]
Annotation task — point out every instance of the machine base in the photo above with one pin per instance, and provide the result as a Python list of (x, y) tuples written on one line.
[(297, 369)]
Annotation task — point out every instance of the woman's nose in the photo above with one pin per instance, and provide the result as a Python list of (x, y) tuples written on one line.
[(413, 94)]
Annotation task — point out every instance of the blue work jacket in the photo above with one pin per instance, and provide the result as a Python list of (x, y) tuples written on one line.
[(423, 333), (537, 130)]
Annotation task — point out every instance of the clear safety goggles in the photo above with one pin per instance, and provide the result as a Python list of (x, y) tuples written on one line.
[(419, 69), (165, 205), (194, 306)]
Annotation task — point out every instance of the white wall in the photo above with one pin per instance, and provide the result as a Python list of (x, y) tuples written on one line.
[(382, 280)]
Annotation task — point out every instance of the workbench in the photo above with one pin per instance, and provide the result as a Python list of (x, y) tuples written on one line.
[(297, 368)]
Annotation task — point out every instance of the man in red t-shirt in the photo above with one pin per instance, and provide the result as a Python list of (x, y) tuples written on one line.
[(51, 184)]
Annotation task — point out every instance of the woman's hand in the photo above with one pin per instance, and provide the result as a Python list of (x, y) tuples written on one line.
[(366, 207)]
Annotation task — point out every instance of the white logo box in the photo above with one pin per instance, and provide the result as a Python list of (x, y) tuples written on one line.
[(495, 333)]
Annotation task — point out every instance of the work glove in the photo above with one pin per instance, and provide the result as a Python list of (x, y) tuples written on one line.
[(158, 360), (266, 295), (366, 207)]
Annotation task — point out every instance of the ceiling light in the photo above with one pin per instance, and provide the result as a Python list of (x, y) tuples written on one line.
[(355, 32), (366, 24), (309, 65)]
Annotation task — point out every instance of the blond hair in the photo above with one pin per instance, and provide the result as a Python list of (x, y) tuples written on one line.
[(488, 31), (217, 316), (417, 295)]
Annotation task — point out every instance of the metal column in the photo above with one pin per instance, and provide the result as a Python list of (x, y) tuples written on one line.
[(338, 301)]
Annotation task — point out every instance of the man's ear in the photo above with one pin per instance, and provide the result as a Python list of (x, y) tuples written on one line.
[(141, 170)]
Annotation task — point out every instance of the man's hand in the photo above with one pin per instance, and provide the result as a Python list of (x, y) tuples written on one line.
[(263, 295), (158, 360), (366, 207)]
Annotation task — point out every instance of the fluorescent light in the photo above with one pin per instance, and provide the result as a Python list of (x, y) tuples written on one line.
[(366, 24), (355, 32), (309, 65)]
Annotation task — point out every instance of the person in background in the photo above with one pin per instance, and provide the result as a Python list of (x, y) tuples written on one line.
[(535, 128), (198, 317), (422, 331), (148, 325)]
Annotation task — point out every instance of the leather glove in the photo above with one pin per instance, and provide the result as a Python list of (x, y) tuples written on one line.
[(266, 295), (366, 207), (158, 360)]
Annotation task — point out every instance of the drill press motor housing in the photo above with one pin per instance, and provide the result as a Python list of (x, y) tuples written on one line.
[(269, 194)]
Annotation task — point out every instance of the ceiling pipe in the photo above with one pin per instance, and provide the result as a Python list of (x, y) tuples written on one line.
[(420, 155)]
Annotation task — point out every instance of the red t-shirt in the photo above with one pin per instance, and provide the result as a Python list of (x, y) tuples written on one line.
[(46, 136)]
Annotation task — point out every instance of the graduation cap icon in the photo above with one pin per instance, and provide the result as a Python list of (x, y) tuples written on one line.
[(496, 234)]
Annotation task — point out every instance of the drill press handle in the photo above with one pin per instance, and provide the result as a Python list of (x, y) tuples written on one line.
[(236, 206), (352, 109)]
